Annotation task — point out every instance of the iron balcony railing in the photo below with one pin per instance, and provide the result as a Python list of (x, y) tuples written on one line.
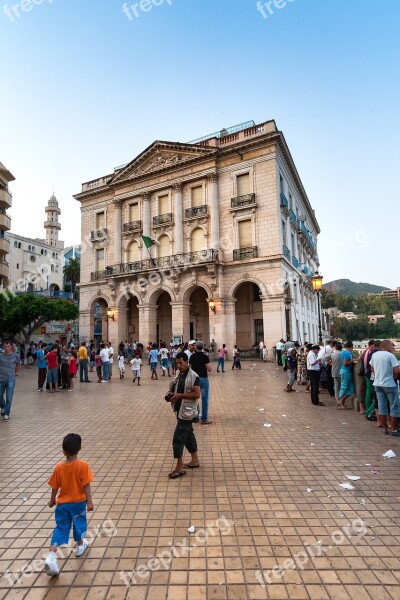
[(292, 216), (245, 253), (165, 262), (49, 294), (284, 201), (307, 271), (97, 275), (303, 230), (243, 200), (286, 252), (132, 226), (162, 219), (196, 211), (98, 235), (295, 262)]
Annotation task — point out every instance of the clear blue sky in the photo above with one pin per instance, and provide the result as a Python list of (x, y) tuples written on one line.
[(84, 89)]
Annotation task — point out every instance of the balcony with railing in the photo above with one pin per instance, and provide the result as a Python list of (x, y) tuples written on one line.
[(132, 226), (5, 220), (160, 220), (188, 259), (292, 216), (196, 211), (5, 197), (302, 230), (98, 235), (4, 269), (295, 262), (286, 252), (243, 201), (284, 201), (4, 245), (245, 253), (49, 294), (307, 271)]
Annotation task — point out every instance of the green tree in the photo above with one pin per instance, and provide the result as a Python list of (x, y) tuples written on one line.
[(26, 312), (72, 273)]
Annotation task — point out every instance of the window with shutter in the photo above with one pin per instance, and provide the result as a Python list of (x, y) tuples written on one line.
[(133, 212), (100, 220), (100, 265), (163, 204), (197, 241), (243, 184), (164, 248), (197, 196), (245, 234), (133, 252)]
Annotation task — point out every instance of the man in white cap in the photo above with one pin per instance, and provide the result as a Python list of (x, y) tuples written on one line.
[(191, 348)]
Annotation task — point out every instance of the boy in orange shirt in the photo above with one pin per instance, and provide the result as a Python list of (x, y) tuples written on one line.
[(72, 479)]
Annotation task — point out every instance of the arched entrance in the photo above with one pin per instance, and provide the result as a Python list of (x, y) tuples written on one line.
[(249, 316), (199, 316), (164, 318), (132, 320), (99, 320)]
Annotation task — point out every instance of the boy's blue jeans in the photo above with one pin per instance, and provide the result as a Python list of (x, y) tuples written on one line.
[(204, 388), (67, 515)]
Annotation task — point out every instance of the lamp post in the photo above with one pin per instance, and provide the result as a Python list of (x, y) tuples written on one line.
[(317, 286)]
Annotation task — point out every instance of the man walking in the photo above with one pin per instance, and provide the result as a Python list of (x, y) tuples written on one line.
[(386, 369), (111, 359), (185, 398), (313, 372), (83, 363), (105, 357), (200, 363), (9, 366), (41, 362)]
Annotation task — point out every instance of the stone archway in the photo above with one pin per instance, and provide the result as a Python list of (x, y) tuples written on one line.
[(199, 316), (248, 316), (98, 321)]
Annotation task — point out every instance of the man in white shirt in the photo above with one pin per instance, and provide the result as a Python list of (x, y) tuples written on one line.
[(385, 368), (191, 348), (105, 357), (279, 347), (313, 372), (325, 354), (111, 358)]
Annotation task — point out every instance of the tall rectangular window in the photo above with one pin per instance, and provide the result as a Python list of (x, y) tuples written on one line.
[(284, 231), (291, 202), (163, 204), (281, 185), (293, 245), (197, 196), (133, 212), (243, 184), (245, 234), (100, 220), (100, 264)]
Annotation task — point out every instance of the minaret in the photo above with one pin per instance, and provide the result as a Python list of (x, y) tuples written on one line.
[(51, 225)]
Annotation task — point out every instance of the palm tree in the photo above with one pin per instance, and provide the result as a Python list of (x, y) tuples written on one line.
[(72, 273)]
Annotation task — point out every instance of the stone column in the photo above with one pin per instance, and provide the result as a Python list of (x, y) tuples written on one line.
[(147, 323), (273, 320), (181, 319), (214, 211), (178, 219), (227, 325), (118, 231), (122, 325), (85, 325), (146, 214)]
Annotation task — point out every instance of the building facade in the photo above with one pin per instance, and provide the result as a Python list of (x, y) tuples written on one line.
[(236, 244), (36, 265), (5, 224)]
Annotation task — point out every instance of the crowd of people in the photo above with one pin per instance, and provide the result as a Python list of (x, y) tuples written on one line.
[(333, 367)]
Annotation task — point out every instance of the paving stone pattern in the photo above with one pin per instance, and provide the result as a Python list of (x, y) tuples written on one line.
[(256, 477)]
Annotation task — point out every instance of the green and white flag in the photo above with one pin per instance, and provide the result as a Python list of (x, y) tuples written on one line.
[(149, 242)]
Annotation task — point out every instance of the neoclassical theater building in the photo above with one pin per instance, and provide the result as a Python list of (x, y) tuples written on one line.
[(236, 244)]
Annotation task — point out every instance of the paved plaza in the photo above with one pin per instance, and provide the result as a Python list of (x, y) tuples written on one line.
[(271, 520)]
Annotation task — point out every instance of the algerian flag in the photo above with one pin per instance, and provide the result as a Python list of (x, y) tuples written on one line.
[(149, 242)]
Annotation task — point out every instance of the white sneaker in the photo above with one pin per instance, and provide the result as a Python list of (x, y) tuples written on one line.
[(104, 381), (80, 549), (6, 418), (51, 566)]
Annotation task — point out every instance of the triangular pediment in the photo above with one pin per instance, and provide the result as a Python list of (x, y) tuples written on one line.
[(159, 157)]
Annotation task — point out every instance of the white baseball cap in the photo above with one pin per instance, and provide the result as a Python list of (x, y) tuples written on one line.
[(192, 342)]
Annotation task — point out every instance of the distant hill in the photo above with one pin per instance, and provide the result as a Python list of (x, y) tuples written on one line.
[(345, 287)]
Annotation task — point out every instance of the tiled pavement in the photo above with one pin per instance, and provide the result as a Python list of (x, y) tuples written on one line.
[(256, 477)]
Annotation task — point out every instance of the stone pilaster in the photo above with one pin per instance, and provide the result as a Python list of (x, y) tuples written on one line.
[(214, 211), (147, 323), (146, 214), (273, 321), (181, 319), (118, 231), (178, 219), (228, 325)]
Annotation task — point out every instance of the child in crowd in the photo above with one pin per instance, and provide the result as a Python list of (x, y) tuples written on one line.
[(72, 368), (136, 365), (153, 360), (121, 365), (72, 479), (92, 360), (264, 353)]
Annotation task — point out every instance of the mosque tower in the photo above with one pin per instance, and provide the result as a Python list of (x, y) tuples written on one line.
[(51, 225)]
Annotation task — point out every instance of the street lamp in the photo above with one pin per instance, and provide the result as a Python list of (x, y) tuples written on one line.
[(317, 286)]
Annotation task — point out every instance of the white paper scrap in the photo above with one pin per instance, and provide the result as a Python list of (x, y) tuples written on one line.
[(353, 477), (261, 410), (309, 490), (312, 444), (191, 529), (267, 424), (283, 415), (347, 486), (389, 454)]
